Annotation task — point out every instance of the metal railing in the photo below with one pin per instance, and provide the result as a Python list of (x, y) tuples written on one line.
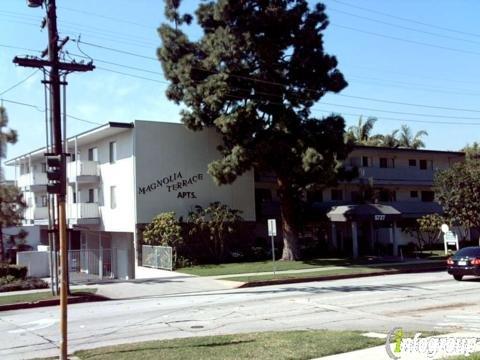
[(92, 264), (82, 168), (83, 211), (32, 178), (158, 257)]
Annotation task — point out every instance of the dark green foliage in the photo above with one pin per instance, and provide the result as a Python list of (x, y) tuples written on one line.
[(253, 77), (217, 223), (18, 272), (9, 283), (11, 198), (458, 191)]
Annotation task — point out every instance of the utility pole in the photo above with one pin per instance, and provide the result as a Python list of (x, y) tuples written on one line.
[(56, 161)]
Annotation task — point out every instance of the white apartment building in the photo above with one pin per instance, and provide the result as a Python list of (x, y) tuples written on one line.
[(402, 180), (120, 176)]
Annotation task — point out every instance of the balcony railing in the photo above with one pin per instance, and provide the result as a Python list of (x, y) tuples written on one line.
[(83, 211), (83, 171), (32, 179), (36, 213), (400, 175)]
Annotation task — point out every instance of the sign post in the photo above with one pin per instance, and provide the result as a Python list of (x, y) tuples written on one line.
[(272, 232), (449, 238)]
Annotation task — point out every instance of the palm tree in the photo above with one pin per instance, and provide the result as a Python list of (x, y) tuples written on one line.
[(390, 140), (408, 140), (360, 133)]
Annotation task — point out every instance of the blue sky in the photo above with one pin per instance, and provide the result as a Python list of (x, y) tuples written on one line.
[(422, 52)]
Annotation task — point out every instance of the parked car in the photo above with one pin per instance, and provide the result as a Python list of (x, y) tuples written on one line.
[(466, 261)]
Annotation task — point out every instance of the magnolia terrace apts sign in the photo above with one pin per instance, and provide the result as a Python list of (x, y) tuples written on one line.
[(174, 182)]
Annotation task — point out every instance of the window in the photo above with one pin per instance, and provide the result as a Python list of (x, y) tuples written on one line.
[(337, 194), (423, 164), (113, 151), (113, 197), (44, 201), (92, 195), (74, 197), (412, 163), (428, 196), (414, 194), (365, 162), (93, 154), (385, 195), (387, 162)]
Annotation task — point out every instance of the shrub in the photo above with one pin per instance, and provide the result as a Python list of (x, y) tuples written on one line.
[(18, 272), (7, 284), (165, 230), (215, 223)]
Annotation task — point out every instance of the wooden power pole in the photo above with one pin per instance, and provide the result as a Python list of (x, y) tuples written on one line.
[(56, 161)]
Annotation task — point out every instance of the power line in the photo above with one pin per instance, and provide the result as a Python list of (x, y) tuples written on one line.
[(407, 19), (105, 17), (404, 27), (18, 83), (18, 48), (408, 104), (406, 40), (403, 119), (258, 80), (401, 112), (280, 84), (116, 50), (39, 109)]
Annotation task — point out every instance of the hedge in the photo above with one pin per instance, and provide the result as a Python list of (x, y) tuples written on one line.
[(18, 272)]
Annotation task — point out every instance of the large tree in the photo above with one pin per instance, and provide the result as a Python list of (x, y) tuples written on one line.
[(253, 75), (12, 205), (458, 191)]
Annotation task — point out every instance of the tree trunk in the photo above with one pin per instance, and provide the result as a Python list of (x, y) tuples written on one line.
[(2, 247), (289, 228)]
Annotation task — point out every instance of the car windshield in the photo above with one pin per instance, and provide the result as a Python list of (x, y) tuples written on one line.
[(470, 252)]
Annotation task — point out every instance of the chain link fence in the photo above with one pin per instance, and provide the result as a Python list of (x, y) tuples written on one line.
[(158, 257)]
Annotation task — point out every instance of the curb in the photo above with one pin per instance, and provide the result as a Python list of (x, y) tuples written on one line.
[(81, 298), (339, 277)]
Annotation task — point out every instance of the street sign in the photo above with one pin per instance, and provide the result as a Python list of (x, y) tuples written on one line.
[(450, 238), (272, 227)]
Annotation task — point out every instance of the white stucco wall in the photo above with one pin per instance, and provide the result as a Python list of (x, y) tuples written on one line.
[(119, 174), (170, 155)]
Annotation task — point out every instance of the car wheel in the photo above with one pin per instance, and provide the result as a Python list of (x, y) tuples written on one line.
[(458, 277)]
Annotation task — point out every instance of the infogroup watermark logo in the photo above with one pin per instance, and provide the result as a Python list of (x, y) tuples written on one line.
[(397, 345)]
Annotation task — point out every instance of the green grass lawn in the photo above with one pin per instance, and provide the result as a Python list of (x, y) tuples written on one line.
[(261, 266), (267, 266), (33, 297), (268, 345)]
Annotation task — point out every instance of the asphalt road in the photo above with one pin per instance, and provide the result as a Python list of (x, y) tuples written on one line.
[(414, 301)]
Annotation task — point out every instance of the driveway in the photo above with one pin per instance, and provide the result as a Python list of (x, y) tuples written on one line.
[(154, 282)]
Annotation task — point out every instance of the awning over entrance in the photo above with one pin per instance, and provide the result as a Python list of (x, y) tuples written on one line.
[(364, 212)]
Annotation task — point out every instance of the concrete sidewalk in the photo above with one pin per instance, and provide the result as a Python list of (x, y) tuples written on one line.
[(154, 282), (380, 353)]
